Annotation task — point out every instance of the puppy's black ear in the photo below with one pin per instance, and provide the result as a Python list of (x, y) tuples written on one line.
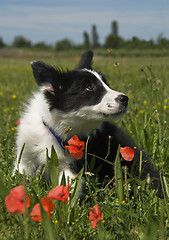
[(86, 60), (44, 75), (42, 72)]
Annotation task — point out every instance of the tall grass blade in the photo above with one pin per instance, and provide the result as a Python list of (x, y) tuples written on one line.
[(26, 213), (155, 144), (119, 177), (20, 155), (140, 163), (150, 231), (161, 224), (165, 186), (4, 191)]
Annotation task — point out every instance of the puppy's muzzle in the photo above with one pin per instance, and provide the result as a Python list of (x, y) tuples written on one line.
[(122, 100)]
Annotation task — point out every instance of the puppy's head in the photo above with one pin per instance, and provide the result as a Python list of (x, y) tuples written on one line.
[(82, 92)]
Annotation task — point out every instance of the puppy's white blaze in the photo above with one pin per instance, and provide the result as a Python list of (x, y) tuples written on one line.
[(108, 104), (96, 74)]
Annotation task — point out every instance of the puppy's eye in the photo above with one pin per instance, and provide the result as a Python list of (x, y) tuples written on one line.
[(90, 87)]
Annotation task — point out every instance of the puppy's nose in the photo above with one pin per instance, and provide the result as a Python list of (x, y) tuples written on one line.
[(122, 99)]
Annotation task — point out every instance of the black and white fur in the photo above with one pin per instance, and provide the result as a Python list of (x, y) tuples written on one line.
[(82, 100)]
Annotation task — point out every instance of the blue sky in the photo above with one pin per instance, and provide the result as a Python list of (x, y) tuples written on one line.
[(53, 20)]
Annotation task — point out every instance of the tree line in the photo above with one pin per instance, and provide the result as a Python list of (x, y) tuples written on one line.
[(91, 41)]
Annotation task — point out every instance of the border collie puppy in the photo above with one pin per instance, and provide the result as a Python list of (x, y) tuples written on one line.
[(82, 100)]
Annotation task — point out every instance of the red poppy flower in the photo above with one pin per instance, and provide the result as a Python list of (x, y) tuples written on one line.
[(75, 147), (127, 153), (15, 200), (95, 215), (18, 122), (36, 211), (59, 193)]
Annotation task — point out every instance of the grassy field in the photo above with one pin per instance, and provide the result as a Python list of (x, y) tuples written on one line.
[(140, 216)]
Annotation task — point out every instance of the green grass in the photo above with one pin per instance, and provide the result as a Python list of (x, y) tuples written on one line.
[(140, 216)]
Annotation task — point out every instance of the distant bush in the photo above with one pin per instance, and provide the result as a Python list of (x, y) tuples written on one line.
[(63, 45), (2, 44), (113, 42), (42, 45), (21, 42)]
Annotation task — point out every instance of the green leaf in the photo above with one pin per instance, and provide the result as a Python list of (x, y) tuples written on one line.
[(72, 215), (102, 233), (149, 232), (63, 180), (47, 225), (76, 188), (91, 165), (53, 164)]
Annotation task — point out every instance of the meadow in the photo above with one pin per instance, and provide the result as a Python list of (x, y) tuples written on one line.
[(140, 214)]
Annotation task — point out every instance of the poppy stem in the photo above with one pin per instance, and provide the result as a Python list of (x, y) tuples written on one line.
[(103, 189), (118, 177), (108, 151), (87, 141), (101, 158)]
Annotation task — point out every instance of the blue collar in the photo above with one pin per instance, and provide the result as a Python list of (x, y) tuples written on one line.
[(59, 140)]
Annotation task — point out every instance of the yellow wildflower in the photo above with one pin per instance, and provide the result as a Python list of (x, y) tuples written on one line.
[(14, 96)]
